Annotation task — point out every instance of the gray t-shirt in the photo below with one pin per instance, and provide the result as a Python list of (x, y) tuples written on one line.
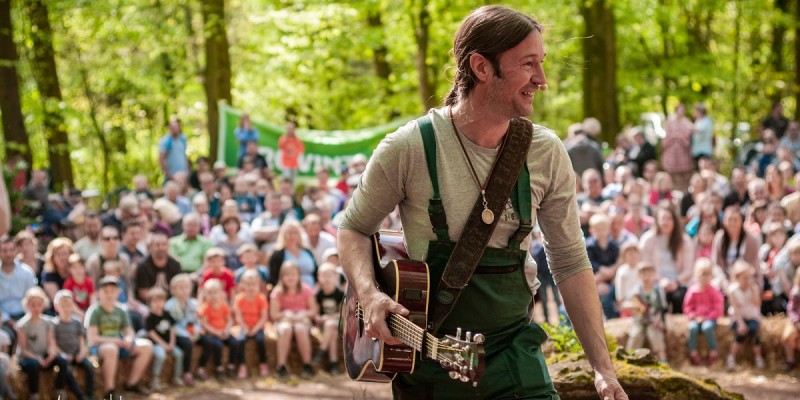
[(69, 335), (36, 333), (397, 173)]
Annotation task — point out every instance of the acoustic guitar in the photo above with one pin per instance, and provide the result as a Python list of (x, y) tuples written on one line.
[(406, 282)]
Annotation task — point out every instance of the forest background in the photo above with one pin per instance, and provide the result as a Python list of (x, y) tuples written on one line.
[(86, 87)]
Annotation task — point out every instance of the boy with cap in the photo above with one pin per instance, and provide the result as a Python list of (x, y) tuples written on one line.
[(648, 307), (70, 337), (112, 338)]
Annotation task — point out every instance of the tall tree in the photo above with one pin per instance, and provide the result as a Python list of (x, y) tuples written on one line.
[(46, 75), (14, 136), (600, 69), (797, 61), (218, 66), (421, 20)]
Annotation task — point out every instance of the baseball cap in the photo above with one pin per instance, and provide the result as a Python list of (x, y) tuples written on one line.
[(108, 280)]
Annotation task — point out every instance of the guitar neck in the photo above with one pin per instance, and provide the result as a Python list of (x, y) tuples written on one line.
[(415, 337)]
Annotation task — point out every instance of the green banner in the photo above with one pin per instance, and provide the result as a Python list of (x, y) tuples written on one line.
[(332, 149)]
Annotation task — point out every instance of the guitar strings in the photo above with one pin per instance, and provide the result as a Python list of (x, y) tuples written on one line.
[(413, 333)]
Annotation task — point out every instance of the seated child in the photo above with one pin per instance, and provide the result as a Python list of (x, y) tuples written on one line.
[(111, 337), (648, 308), (702, 305), (161, 331), (603, 254), (250, 309), (292, 305), (70, 337), (329, 298), (36, 346), (183, 310), (216, 319), (248, 256), (80, 284), (745, 312), (626, 281), (216, 269), (791, 334)]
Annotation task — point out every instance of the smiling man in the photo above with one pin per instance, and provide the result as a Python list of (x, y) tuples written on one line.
[(499, 54)]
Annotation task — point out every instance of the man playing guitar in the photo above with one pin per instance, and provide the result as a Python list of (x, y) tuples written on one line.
[(499, 54)]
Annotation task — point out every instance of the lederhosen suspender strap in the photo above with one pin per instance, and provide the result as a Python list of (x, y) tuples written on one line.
[(475, 236), (435, 206)]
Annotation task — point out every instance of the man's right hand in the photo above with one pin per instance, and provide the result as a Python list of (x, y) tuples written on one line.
[(377, 306)]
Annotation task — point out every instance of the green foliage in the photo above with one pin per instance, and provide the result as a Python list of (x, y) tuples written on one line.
[(563, 337), (125, 66)]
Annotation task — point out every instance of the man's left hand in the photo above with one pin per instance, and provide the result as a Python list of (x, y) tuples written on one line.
[(608, 387)]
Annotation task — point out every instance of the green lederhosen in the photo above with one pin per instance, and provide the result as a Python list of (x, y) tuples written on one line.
[(496, 303)]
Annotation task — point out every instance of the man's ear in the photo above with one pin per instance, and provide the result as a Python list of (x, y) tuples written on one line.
[(481, 67)]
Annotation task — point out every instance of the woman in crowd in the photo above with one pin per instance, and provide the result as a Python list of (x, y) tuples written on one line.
[(56, 266), (671, 250), (29, 254), (733, 242), (289, 247)]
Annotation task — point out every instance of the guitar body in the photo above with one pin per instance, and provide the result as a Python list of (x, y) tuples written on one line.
[(407, 283)]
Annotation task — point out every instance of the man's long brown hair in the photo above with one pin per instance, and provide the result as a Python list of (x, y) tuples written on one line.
[(488, 31)]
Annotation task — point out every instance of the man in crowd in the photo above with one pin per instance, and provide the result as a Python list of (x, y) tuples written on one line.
[(15, 279), (158, 269), (89, 244), (172, 150), (190, 247), (131, 237)]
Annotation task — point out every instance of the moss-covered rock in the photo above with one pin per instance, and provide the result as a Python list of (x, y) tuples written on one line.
[(574, 380)]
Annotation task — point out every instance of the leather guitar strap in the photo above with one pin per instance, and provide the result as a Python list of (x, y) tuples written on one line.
[(475, 236)]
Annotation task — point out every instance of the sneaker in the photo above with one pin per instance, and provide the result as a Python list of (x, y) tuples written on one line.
[(220, 374), (188, 380), (231, 371), (789, 365), (695, 358), (712, 357), (136, 388), (760, 362), (321, 355), (308, 372), (281, 372), (177, 381), (242, 372), (155, 385), (730, 363), (334, 369), (201, 375), (263, 370)]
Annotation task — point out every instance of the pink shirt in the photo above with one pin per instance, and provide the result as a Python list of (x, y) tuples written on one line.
[(293, 302), (707, 303)]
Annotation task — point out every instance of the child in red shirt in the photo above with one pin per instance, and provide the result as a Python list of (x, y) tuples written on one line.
[(216, 319), (216, 269), (250, 309), (81, 286)]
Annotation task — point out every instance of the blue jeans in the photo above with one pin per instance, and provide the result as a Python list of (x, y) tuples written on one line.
[(261, 345), (64, 376), (160, 355), (707, 327), (212, 347), (608, 302)]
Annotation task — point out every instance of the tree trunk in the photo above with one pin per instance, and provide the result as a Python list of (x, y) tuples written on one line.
[(218, 66), (14, 136), (600, 69), (779, 35), (797, 61), (422, 22), (46, 76)]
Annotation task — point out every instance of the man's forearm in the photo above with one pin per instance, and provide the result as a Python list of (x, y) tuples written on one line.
[(354, 249), (583, 307)]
